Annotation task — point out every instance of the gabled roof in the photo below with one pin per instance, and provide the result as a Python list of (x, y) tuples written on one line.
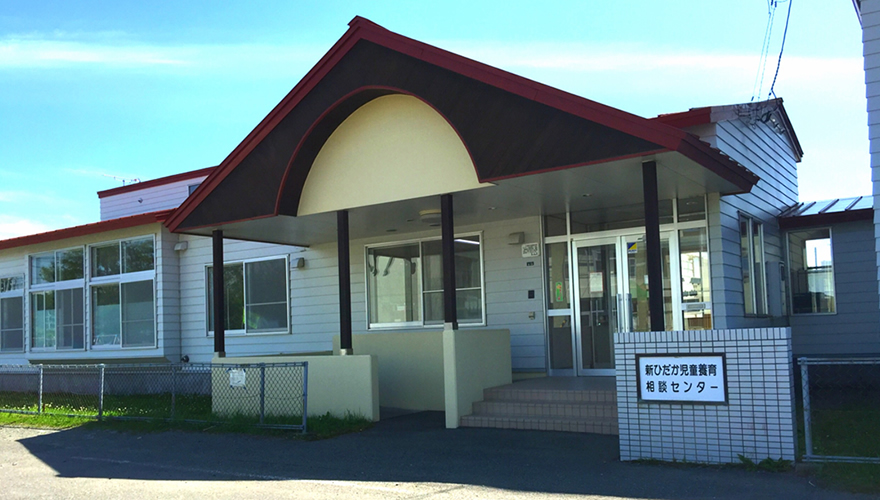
[(818, 213), (87, 229), (510, 125), (771, 111)]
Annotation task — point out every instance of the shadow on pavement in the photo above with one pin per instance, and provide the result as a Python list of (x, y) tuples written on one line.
[(409, 448)]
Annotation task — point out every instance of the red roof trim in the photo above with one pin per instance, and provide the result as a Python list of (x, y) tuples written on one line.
[(161, 181), (87, 229), (657, 132), (684, 119)]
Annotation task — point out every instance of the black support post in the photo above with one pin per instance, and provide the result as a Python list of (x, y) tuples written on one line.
[(219, 296), (652, 240), (447, 229), (344, 282)]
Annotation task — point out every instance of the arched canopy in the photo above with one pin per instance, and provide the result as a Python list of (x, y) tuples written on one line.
[(512, 128)]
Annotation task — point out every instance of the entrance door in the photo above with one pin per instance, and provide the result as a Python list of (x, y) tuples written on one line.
[(597, 288), (611, 295)]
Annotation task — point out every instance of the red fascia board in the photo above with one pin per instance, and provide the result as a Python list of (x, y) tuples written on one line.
[(86, 229), (685, 119), (360, 28), (161, 181)]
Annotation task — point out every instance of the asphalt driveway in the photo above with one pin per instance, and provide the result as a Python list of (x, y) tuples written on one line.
[(411, 456)]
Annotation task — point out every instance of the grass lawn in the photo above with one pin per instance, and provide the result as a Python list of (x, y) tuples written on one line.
[(850, 429), (152, 413)]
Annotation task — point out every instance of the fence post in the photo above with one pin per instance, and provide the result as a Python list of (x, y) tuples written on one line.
[(805, 392), (173, 388), (40, 396), (101, 392), (262, 391), (305, 394)]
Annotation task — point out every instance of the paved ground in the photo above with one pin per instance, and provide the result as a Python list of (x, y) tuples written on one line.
[(407, 457)]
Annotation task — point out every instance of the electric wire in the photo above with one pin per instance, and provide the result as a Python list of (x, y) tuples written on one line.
[(765, 51), (779, 61)]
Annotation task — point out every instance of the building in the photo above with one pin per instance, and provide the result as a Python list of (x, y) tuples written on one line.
[(566, 221)]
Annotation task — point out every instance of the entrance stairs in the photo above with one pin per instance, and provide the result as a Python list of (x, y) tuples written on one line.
[(568, 404)]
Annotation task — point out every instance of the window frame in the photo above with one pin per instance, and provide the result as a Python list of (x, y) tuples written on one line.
[(14, 293), (119, 279), (55, 286), (790, 291), (422, 323), (244, 332), (751, 237)]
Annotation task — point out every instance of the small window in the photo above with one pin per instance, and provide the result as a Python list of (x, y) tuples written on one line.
[(193, 187), (255, 296), (56, 309), (11, 314), (53, 267), (811, 265), (405, 283), (752, 257), (122, 293)]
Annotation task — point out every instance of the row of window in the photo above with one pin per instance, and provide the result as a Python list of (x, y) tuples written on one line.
[(120, 279), (811, 270), (404, 287)]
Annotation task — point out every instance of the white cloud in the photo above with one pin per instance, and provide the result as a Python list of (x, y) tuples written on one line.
[(11, 227), (113, 50)]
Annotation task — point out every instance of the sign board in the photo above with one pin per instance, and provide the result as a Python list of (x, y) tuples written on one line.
[(530, 250), (236, 377), (681, 378)]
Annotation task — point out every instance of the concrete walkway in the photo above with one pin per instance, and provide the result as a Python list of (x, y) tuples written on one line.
[(411, 456)]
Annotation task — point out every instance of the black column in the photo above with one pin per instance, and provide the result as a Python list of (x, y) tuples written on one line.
[(652, 240), (344, 282), (450, 313), (219, 296)]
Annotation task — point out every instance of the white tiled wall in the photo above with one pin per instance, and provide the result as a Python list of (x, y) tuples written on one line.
[(757, 422)]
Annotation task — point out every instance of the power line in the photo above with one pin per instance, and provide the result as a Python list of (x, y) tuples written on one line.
[(765, 51), (779, 61)]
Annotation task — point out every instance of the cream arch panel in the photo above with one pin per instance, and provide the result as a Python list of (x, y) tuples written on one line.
[(393, 148)]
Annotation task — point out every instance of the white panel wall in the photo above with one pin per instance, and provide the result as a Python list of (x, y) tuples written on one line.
[(314, 298), (871, 43), (145, 200), (769, 155)]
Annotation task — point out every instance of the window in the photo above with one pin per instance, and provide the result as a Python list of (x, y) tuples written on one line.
[(123, 311), (56, 285), (255, 294), (405, 282), (812, 271), (751, 234), (192, 187), (11, 314)]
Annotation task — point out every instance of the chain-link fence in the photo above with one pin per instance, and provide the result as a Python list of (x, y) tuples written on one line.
[(266, 395), (841, 403)]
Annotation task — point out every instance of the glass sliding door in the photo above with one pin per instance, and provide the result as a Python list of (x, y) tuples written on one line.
[(611, 283), (597, 283)]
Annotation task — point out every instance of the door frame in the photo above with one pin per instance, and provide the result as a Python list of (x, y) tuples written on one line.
[(577, 327)]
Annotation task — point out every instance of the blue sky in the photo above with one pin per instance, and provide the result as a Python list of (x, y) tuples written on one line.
[(91, 90)]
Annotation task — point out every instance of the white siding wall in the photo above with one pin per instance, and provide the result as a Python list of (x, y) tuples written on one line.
[(314, 293), (871, 43), (770, 156), (145, 200)]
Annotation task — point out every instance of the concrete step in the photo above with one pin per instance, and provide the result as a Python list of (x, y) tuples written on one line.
[(595, 426), (540, 408)]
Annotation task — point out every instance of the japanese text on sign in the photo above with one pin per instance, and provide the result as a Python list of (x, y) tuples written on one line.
[(682, 378)]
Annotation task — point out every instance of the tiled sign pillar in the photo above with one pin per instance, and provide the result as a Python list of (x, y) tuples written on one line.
[(756, 422)]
